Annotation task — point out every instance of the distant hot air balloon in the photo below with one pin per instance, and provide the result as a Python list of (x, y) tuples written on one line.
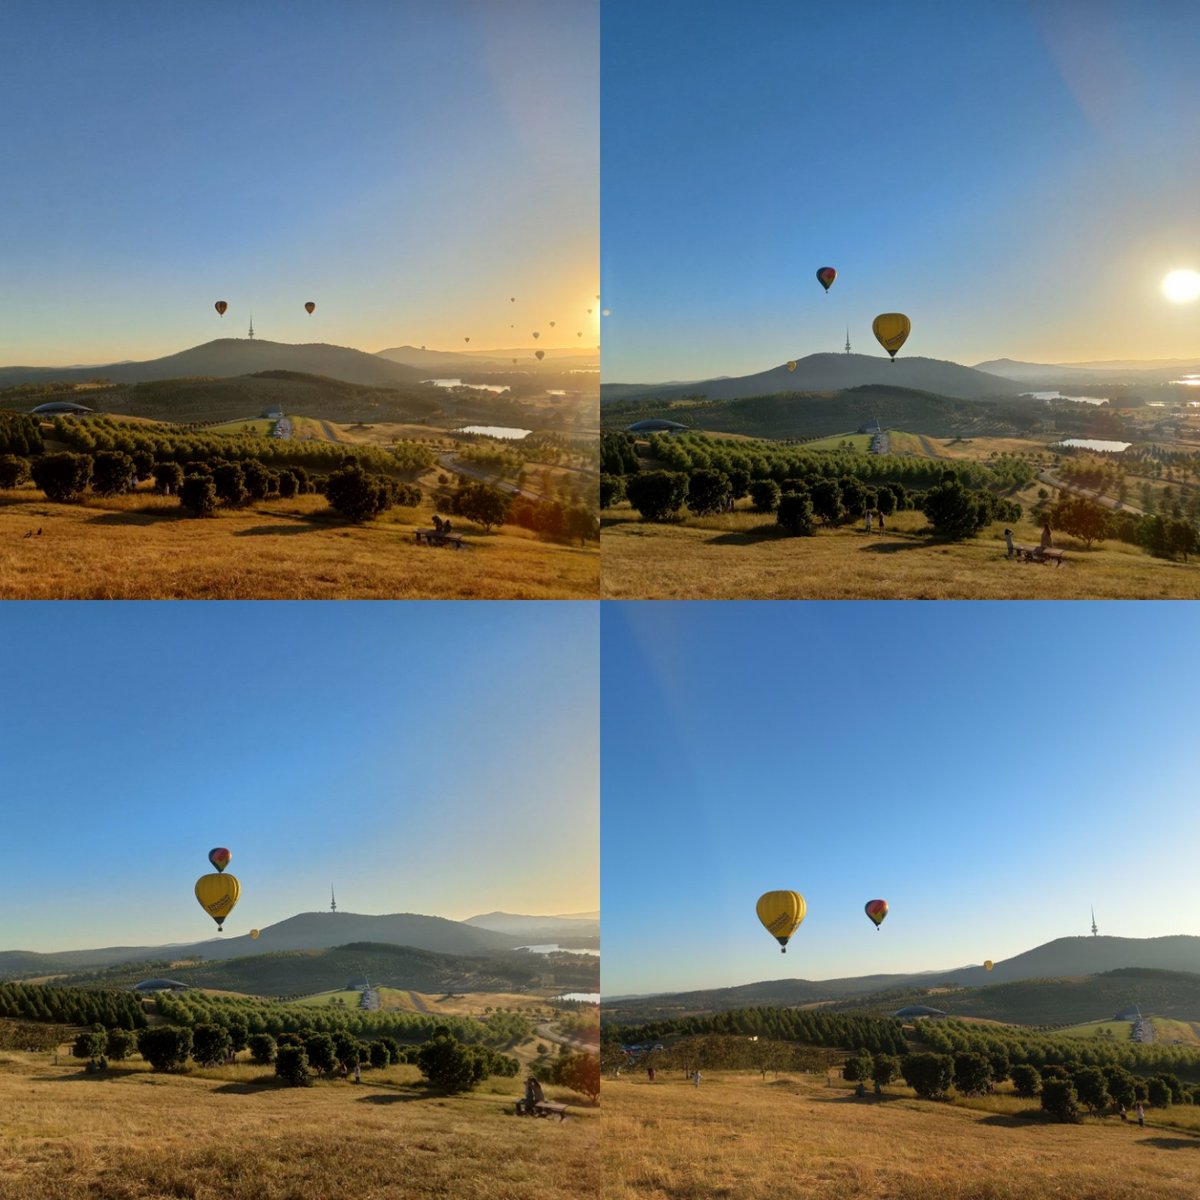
[(826, 276), (891, 330), (537, 335), (876, 910), (512, 299), (791, 366), (514, 360), (781, 914), (466, 339), (551, 324), (539, 354), (987, 966), (579, 334), (309, 307), (606, 312), (254, 934), (217, 895), (219, 857), (589, 312), (220, 306)]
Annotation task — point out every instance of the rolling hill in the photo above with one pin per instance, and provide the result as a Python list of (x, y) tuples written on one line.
[(226, 357), (539, 929), (304, 932), (1152, 371), (833, 373)]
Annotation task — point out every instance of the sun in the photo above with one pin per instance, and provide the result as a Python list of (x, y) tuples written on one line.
[(1181, 286)]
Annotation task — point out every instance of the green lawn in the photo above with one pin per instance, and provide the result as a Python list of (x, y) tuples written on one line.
[(1118, 1030), (327, 999)]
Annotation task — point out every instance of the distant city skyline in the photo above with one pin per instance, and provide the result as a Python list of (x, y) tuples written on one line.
[(990, 769), (1013, 179), (426, 757), (409, 168)]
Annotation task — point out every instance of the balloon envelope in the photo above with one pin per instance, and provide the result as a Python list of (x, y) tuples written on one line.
[(254, 934), (791, 366), (308, 308), (781, 914), (826, 276), (217, 895), (891, 330), (540, 354), (876, 910), (987, 966), (219, 857), (220, 306)]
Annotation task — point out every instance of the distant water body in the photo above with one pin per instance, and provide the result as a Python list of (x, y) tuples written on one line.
[(581, 997), (1095, 444), (496, 431), (554, 948), (1060, 396), (481, 387)]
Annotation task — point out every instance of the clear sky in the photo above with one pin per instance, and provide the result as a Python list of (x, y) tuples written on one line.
[(407, 165), (436, 758), (1015, 176), (989, 769)]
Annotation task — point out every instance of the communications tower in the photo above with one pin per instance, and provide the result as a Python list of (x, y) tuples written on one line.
[(847, 339), (1094, 929), (332, 900), (252, 327)]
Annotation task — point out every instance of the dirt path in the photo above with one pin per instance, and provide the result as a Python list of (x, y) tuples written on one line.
[(450, 463), (1104, 501)]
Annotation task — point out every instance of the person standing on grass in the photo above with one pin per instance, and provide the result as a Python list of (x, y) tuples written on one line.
[(1141, 1115), (1009, 542), (868, 520), (696, 1079), (1047, 541), (879, 514)]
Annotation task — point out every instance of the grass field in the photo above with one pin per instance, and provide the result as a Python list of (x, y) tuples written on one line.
[(1118, 1030), (745, 1138), (146, 547), (1167, 1030), (744, 555), (218, 1135)]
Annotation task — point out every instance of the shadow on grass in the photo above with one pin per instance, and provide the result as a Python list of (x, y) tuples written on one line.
[(1016, 1120), (142, 516), (251, 1088), (892, 546), (106, 1076), (1181, 1142), (270, 530), (397, 1095)]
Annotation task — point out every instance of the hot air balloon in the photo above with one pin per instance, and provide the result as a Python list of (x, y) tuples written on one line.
[(539, 354), (589, 312), (826, 276), (536, 335), (217, 895), (512, 299), (220, 306), (891, 330), (466, 339), (219, 857), (514, 360), (987, 966), (254, 934), (551, 324), (791, 366), (876, 910), (308, 308), (781, 914), (606, 312)]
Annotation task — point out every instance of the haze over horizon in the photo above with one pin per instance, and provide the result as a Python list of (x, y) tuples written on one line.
[(411, 757), (990, 769), (1016, 182), (407, 168)]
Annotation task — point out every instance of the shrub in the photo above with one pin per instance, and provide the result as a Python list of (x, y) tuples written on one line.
[(211, 1044), (795, 513), (165, 1047), (262, 1049), (198, 495), (14, 471), (486, 506), (168, 476), (929, 1075), (291, 1064), (764, 495), (953, 511), (357, 495), (1059, 1099), (708, 492), (63, 477), (449, 1065), (580, 1073), (112, 473), (657, 495), (229, 480), (119, 1044), (1027, 1082), (612, 490)]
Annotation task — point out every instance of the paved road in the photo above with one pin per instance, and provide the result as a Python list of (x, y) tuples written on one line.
[(1105, 501), (449, 463), (550, 1035), (329, 433)]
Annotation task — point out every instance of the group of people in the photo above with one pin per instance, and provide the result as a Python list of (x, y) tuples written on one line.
[(440, 526), (1047, 539), (873, 516)]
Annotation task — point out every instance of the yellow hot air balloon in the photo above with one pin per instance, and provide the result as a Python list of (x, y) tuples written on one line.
[(781, 914), (218, 893), (891, 330), (791, 366), (987, 966), (254, 934)]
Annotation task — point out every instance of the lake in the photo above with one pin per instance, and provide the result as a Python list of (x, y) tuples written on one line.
[(1188, 381), (1060, 396), (496, 431), (555, 949), (1094, 444), (581, 997), (479, 387)]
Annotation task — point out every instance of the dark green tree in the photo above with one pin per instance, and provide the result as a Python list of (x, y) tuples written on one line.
[(795, 514), (63, 477), (165, 1047), (198, 495), (1092, 1088), (262, 1049), (450, 1066), (580, 1073), (657, 495), (929, 1075), (1027, 1081), (112, 473), (827, 500), (168, 477), (230, 482), (210, 1044), (14, 471), (764, 495), (972, 1073), (1059, 1099), (478, 502), (291, 1064), (708, 492), (953, 511)]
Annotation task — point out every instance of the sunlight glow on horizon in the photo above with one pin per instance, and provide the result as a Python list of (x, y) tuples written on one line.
[(1181, 286)]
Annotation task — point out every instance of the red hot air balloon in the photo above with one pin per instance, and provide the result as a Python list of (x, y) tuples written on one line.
[(826, 276), (876, 910), (220, 306), (308, 308), (219, 857)]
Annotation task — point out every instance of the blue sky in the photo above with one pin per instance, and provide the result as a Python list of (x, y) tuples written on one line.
[(1014, 176), (408, 166), (437, 758), (989, 769)]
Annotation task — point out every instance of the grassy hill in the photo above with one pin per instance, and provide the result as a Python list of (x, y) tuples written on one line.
[(303, 972)]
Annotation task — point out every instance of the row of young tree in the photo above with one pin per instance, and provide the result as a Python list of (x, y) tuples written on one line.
[(1062, 1087), (260, 1016), (809, 1026), (70, 1006), (1160, 535), (20, 434), (953, 509), (170, 443)]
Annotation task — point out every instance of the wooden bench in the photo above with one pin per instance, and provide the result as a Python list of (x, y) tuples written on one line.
[(434, 537), (542, 1108), (1039, 554)]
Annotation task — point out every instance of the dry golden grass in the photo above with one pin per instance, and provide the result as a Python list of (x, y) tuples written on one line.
[(743, 555), (741, 1137), (216, 1135), (145, 547)]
